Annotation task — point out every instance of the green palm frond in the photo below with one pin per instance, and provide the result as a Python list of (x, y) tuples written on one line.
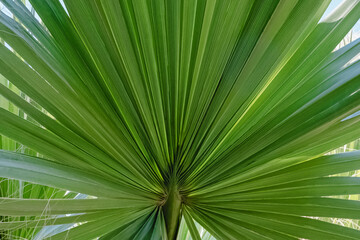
[(177, 119), (20, 226)]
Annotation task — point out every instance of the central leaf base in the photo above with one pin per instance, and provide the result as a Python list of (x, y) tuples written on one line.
[(171, 209)]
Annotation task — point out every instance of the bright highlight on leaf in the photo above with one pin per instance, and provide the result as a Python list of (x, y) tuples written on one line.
[(201, 119)]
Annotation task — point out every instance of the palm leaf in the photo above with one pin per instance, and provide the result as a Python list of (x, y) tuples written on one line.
[(179, 116)]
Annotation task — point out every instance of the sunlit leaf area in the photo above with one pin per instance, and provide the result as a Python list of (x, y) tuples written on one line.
[(179, 119)]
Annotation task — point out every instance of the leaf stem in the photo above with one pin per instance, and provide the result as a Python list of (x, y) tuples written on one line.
[(171, 209)]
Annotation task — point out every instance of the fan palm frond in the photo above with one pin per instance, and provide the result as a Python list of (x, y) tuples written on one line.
[(181, 116)]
